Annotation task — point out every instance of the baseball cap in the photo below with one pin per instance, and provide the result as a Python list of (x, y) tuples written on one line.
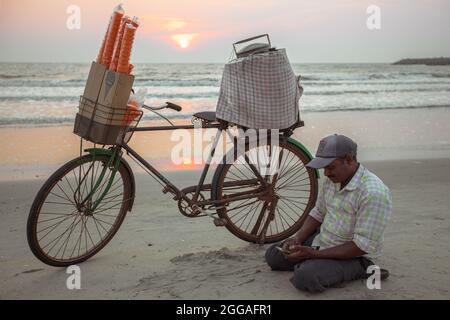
[(330, 148)]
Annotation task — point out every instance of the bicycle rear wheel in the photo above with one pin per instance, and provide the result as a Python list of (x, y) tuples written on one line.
[(295, 189), (61, 230)]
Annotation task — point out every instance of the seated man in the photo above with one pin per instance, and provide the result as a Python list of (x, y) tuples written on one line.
[(344, 230)]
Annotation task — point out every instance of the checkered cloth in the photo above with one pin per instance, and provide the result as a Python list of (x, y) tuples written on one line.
[(359, 213), (260, 91)]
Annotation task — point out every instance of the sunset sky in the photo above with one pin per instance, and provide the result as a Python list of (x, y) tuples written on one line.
[(203, 31)]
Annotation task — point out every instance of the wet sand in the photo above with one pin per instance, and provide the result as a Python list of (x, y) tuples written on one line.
[(34, 153)]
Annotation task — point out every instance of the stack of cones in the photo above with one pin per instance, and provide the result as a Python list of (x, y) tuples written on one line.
[(123, 64), (115, 51)]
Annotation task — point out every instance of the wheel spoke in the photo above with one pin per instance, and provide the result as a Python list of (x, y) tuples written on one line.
[(100, 224), (61, 203), (253, 215), (294, 201), (113, 206), (90, 237), (111, 201), (56, 195), (54, 226), (243, 207), (66, 241), (65, 194), (61, 235), (281, 208), (245, 215), (293, 176)]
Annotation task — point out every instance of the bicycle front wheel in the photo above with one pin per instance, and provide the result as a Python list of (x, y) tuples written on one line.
[(63, 227), (260, 219)]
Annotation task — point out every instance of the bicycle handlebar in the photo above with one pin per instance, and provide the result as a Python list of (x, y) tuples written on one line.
[(173, 106), (168, 105)]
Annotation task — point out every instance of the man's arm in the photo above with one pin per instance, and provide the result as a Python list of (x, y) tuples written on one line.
[(311, 224), (347, 250), (314, 219), (309, 227)]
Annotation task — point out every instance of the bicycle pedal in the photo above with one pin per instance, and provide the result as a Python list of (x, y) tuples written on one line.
[(219, 222)]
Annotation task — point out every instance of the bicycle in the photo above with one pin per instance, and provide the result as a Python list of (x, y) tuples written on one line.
[(81, 206)]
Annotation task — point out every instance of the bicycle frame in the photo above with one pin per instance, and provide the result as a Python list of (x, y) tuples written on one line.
[(169, 186)]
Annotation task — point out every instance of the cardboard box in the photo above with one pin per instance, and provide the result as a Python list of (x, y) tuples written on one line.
[(94, 81), (107, 93), (103, 105)]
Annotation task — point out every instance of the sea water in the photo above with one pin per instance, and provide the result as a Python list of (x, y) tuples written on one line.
[(36, 94)]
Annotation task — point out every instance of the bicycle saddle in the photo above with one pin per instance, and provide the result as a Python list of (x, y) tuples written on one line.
[(208, 116)]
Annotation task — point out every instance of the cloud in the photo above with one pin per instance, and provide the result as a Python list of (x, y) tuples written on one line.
[(163, 24)]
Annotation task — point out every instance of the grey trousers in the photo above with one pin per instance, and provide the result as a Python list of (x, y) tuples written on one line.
[(315, 275)]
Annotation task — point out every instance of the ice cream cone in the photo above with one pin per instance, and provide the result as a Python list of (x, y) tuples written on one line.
[(118, 45), (102, 48), (125, 50), (112, 35)]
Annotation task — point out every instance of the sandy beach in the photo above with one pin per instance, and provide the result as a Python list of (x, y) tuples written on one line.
[(159, 254)]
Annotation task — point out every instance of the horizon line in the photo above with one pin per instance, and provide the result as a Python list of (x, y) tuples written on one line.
[(217, 62)]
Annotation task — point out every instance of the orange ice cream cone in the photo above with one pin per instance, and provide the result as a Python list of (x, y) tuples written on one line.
[(102, 48), (112, 35), (118, 45), (125, 50)]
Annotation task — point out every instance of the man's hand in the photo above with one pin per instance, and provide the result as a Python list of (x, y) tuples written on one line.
[(310, 226), (289, 243), (299, 253)]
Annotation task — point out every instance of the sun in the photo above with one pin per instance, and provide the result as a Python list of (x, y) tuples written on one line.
[(184, 40)]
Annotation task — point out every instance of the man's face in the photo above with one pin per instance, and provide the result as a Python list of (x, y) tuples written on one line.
[(337, 171)]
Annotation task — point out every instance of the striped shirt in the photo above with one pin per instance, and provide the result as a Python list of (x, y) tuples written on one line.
[(359, 213)]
